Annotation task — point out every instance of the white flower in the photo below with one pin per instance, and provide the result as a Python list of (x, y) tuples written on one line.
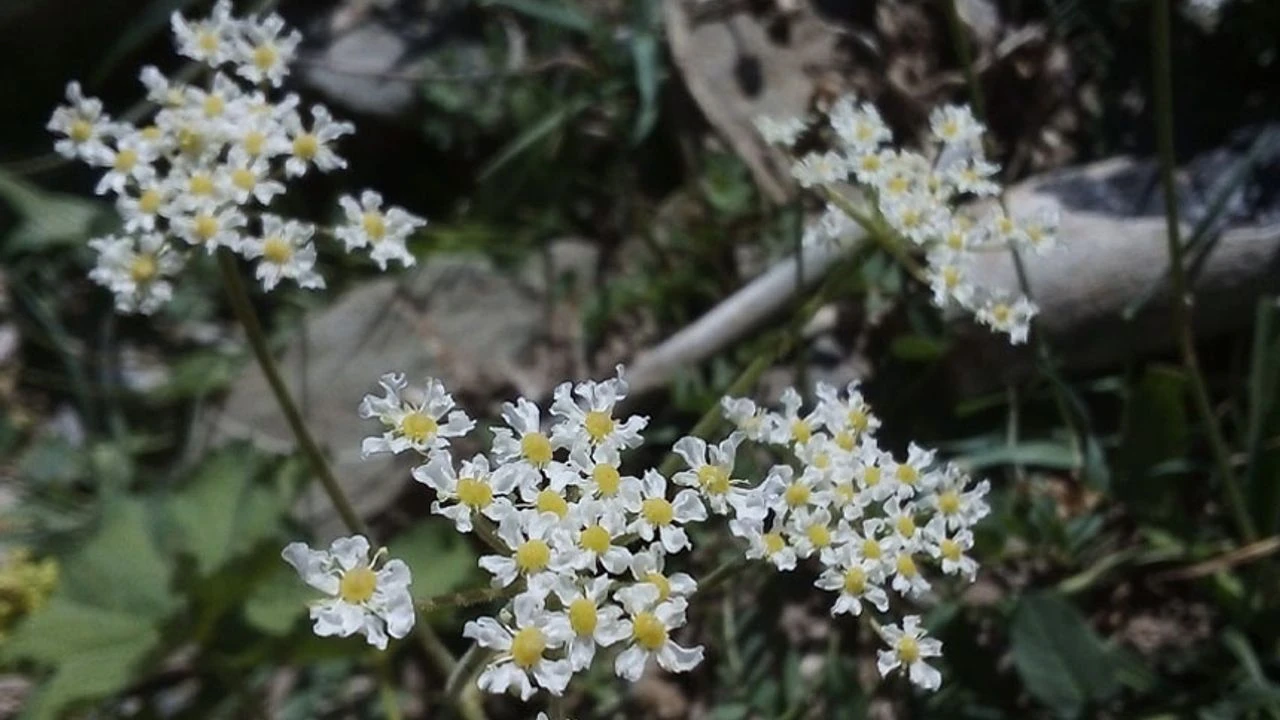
[(955, 125), (918, 217), (588, 618), (367, 224), (535, 552), (816, 169), (589, 419), (264, 50), (412, 417), (245, 176), (754, 422), (960, 507), (1008, 316), (596, 527), (286, 251), (523, 441), (656, 516), (649, 627), (648, 567), (140, 212), (860, 128), (711, 472), (1040, 230), (908, 647), (907, 579), (129, 163), (771, 545), (312, 147), (973, 175), (521, 660), (595, 471), (783, 132), (912, 475), (209, 40), (210, 228), (136, 269), (951, 550), (160, 89), (870, 474), (470, 490), (84, 125), (948, 278), (785, 492), (830, 229), (848, 417), (856, 581), (365, 600), (870, 547), (812, 531), (790, 426)]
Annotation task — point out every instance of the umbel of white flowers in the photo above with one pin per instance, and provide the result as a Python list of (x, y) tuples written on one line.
[(925, 197), (205, 169), (586, 545)]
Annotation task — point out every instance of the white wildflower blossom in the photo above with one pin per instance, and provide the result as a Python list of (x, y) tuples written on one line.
[(521, 648), (588, 420), (656, 516), (384, 231), (588, 618), (365, 598), (209, 40), (136, 269), (312, 147), (535, 554), (418, 418), (84, 126), (469, 491), (286, 252), (649, 625), (780, 132), (264, 50), (908, 648)]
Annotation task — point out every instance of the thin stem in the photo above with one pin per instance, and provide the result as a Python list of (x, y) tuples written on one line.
[(244, 312), (243, 309), (555, 705), (964, 53), (1183, 298)]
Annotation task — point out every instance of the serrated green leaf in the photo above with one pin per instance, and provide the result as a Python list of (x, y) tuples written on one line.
[(47, 218), (1059, 658)]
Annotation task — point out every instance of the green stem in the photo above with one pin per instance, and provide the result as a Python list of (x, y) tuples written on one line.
[(1183, 298), (243, 309), (238, 295), (555, 706), (964, 53)]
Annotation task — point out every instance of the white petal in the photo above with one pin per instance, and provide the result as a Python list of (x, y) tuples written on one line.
[(674, 658), (630, 663)]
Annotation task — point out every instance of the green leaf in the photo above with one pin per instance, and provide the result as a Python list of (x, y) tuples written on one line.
[(48, 219), (1156, 430), (548, 11), (1049, 454), (645, 55), (917, 348), (1262, 478), (235, 501), (440, 559), (276, 602), (1058, 656), (120, 568)]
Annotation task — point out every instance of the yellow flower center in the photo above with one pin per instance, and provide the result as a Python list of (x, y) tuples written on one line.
[(553, 502), (1001, 313), (858, 419), (950, 549), (213, 105), (265, 56), (190, 141), (80, 130), (536, 448), (200, 184), (374, 225), (951, 277), (845, 493), (855, 581), (796, 494), (657, 511), (845, 441), (800, 431), (599, 425), (871, 476), (357, 585), (822, 462), (142, 268), (527, 647), (607, 478), (871, 549), (582, 616), (596, 539), (418, 426), (533, 556), (819, 535), (949, 502), (907, 475), (897, 185), (955, 240), (125, 160), (950, 128), (207, 41), (306, 146), (648, 631), (149, 201), (906, 526), (244, 178), (206, 226), (870, 163), (254, 141), (773, 543), (908, 650), (661, 582), (906, 565), (713, 479), (1005, 225), (473, 493)]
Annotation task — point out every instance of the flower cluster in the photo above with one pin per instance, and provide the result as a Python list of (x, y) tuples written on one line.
[(581, 545), (872, 522), (203, 171), (923, 198)]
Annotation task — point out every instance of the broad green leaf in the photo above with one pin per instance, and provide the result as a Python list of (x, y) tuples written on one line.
[(277, 601), (47, 218), (438, 557), (120, 568), (235, 501), (1059, 658)]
